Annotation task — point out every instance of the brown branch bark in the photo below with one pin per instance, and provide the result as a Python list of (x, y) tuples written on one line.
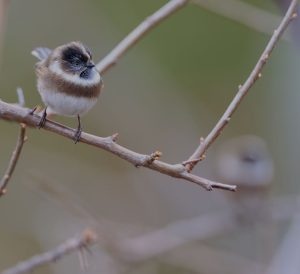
[(138, 33), (255, 74), (86, 239), (22, 115), (13, 161)]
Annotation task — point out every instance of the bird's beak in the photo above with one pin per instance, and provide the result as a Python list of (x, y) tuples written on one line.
[(90, 64)]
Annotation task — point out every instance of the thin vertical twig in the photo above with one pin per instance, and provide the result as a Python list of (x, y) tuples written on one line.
[(13, 160), (16, 153)]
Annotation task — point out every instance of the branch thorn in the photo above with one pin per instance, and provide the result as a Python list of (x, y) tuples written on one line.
[(114, 137)]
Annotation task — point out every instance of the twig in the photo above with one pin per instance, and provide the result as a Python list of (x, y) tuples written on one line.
[(83, 260), (14, 159), (22, 115), (87, 238), (16, 153), (138, 33), (246, 14), (243, 89), (21, 98)]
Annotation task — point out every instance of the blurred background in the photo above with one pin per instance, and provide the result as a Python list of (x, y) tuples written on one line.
[(169, 90)]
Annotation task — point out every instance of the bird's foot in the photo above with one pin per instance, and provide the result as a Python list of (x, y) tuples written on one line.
[(32, 111), (77, 135), (43, 119), (42, 122)]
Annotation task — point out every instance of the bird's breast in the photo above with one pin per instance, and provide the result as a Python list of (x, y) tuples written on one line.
[(66, 104), (67, 98)]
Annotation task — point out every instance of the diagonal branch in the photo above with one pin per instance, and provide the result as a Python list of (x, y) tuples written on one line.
[(13, 161), (87, 238), (138, 33), (22, 115), (255, 74)]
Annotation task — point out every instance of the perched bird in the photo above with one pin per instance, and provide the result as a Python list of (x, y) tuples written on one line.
[(245, 161), (67, 81)]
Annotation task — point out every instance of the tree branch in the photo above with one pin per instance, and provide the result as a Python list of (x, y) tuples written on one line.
[(13, 161), (138, 33), (255, 74), (22, 115), (87, 238), (16, 153)]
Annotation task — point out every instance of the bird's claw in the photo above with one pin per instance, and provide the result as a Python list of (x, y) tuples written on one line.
[(42, 122), (77, 135), (43, 119)]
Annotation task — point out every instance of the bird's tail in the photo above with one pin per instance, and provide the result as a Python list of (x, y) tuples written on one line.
[(41, 53)]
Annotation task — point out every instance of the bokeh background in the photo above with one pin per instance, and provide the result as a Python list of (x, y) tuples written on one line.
[(169, 90)]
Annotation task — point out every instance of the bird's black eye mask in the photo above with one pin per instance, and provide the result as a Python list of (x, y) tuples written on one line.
[(74, 58)]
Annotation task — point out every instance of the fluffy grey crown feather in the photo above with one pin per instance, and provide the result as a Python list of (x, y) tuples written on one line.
[(41, 53)]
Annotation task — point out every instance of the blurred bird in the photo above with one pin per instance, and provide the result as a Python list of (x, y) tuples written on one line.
[(67, 81), (245, 161)]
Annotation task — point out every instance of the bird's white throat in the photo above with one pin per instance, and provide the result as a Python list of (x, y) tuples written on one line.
[(67, 105)]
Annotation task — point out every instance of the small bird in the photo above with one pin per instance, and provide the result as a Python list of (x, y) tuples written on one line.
[(246, 162), (67, 81)]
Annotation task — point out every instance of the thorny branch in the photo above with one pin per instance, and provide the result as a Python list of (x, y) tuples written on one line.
[(22, 115), (138, 33), (255, 74), (87, 238)]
